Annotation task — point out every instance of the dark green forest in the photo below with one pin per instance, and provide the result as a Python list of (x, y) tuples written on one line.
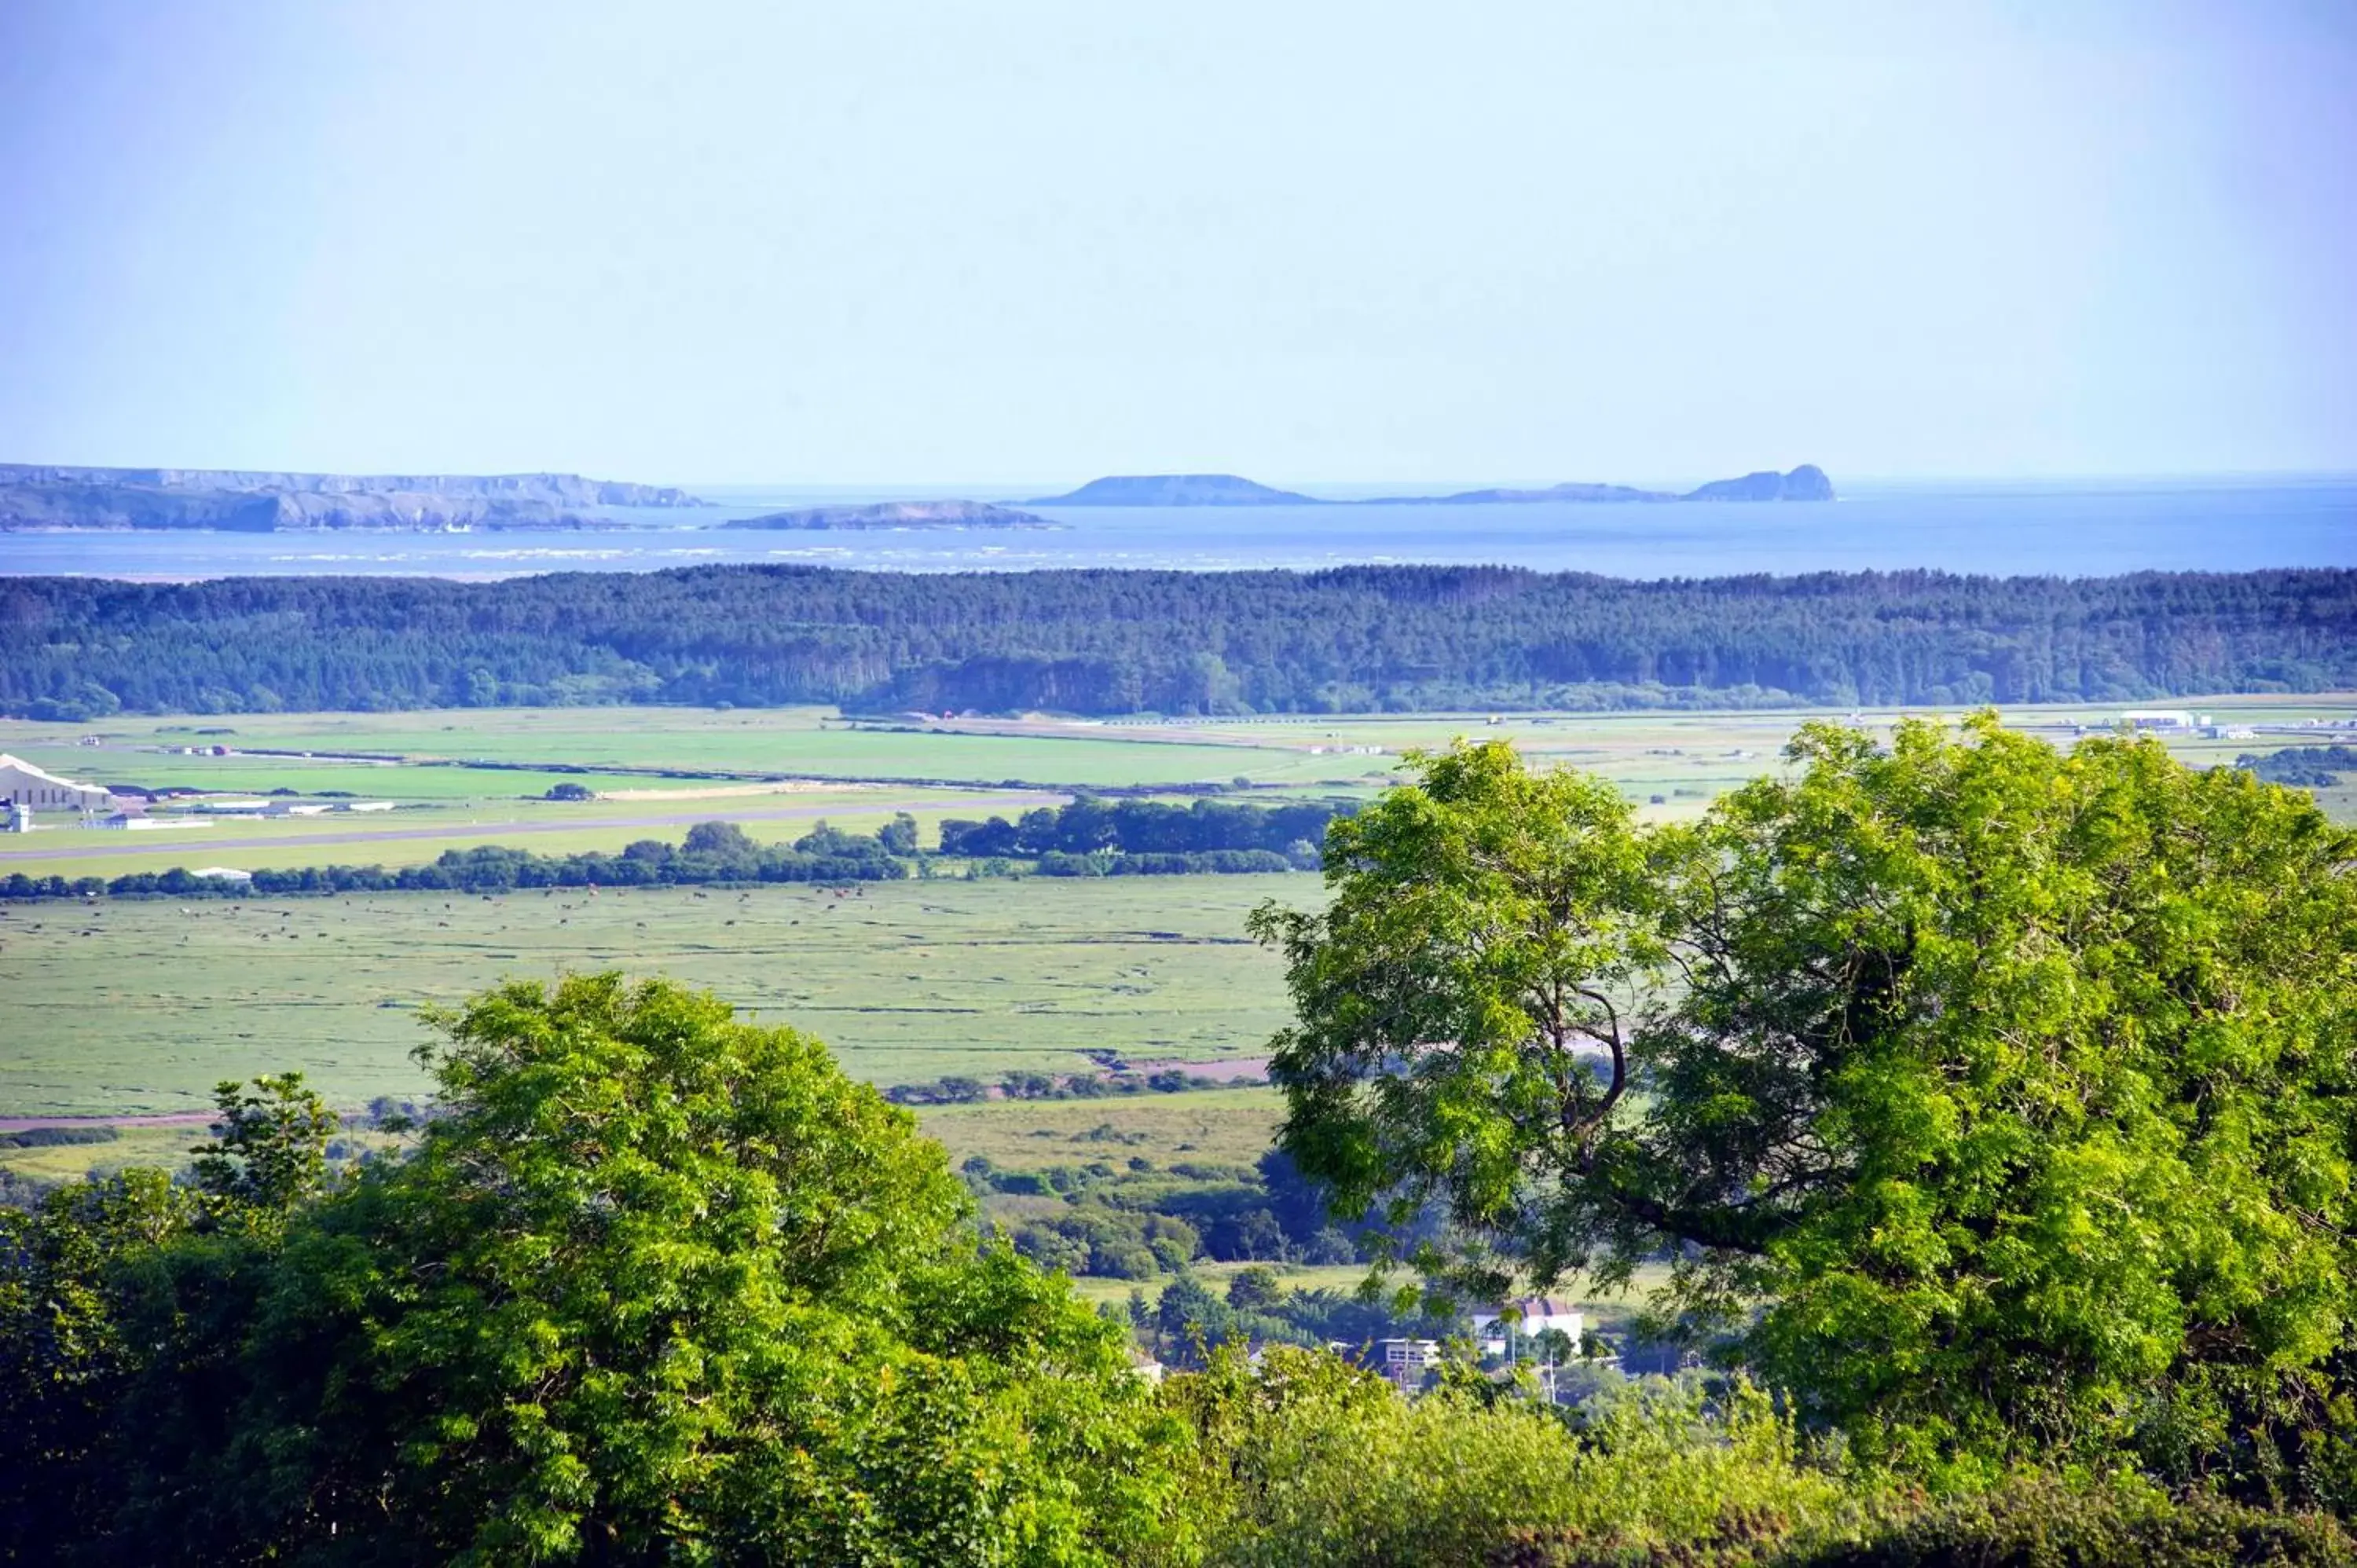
[(1355, 638)]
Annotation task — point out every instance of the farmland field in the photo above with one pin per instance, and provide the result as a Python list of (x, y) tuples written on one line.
[(412, 835), (129, 1006), (142, 1006), (477, 776)]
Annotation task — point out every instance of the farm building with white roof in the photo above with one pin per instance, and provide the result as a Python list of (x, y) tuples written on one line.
[(22, 784)]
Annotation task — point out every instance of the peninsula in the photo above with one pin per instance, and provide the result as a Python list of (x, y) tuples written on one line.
[(40, 496), (898, 514)]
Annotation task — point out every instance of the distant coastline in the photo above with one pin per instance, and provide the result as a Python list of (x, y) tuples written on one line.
[(55, 498), (37, 497)]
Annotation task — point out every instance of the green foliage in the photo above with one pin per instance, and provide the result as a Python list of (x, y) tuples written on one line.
[(2313, 767), (1091, 837), (654, 1283), (1487, 929), (1308, 1461), (712, 852), (269, 1150), (2031, 1520), (2012, 1088), (65, 1360), (1311, 1461)]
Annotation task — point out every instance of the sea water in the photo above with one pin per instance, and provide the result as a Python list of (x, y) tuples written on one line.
[(2064, 528)]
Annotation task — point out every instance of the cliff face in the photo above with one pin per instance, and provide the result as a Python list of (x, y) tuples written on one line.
[(129, 507), (898, 514), (555, 489), (1805, 483), (1176, 490), (38, 496)]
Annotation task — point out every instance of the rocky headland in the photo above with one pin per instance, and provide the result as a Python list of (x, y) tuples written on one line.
[(37, 496)]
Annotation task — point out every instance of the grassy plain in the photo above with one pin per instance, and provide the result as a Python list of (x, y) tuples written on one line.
[(409, 836), (142, 1006), (803, 742), (1216, 1126), (688, 759)]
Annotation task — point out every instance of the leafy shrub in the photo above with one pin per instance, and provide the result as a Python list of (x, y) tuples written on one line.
[(2030, 1522), (1320, 1464), (656, 1286)]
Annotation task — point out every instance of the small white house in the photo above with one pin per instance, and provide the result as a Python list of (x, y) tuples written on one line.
[(1404, 1361), (1533, 1314)]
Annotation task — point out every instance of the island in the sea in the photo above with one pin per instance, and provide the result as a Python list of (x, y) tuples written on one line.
[(898, 514), (1175, 489), (40, 496), (1805, 483)]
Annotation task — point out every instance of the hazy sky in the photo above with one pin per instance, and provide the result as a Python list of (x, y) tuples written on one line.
[(1022, 242)]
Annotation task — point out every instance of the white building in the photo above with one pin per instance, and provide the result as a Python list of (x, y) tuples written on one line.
[(2162, 719), (1529, 1316), (22, 784), (1404, 1361)]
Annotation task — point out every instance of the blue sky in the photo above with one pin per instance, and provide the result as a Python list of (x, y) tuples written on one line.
[(1027, 243)]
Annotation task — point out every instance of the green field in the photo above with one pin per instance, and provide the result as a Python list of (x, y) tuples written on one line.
[(801, 742), (142, 1006), (1673, 764), (409, 836)]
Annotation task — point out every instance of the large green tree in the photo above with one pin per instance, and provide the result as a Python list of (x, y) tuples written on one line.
[(103, 1281), (2000, 1097), (655, 1284)]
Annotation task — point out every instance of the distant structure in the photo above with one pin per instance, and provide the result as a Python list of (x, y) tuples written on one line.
[(1535, 1315), (1404, 1361), (35, 790), (2163, 721), (16, 819)]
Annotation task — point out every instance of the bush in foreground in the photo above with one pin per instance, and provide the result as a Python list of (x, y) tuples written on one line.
[(657, 1284)]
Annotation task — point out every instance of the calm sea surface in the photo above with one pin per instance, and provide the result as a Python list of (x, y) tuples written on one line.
[(2069, 530)]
